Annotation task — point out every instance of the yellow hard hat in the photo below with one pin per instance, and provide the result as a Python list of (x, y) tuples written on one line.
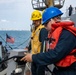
[(36, 15)]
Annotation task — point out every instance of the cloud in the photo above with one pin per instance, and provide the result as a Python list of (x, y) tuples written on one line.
[(4, 21), (6, 1), (15, 14)]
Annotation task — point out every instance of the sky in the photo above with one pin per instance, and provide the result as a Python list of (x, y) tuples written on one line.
[(15, 14)]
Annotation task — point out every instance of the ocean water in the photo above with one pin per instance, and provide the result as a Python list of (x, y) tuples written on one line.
[(21, 39)]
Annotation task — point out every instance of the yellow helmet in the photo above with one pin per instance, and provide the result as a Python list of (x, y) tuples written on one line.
[(36, 15)]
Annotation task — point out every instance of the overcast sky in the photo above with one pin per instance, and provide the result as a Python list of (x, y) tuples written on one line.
[(15, 14)]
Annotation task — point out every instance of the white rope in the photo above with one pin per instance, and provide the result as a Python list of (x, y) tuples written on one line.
[(26, 65)]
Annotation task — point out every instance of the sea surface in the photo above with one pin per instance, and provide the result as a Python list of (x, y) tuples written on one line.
[(21, 39)]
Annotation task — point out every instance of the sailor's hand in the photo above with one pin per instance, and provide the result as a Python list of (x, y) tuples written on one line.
[(26, 48), (27, 57)]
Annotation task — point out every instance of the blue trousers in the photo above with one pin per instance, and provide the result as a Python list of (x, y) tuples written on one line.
[(37, 70)]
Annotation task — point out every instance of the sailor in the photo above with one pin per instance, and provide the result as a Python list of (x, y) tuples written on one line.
[(62, 48), (39, 33), (70, 10)]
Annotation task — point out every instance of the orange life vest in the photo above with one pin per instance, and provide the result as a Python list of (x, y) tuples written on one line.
[(55, 33)]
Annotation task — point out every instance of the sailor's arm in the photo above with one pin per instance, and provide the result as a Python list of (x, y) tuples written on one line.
[(65, 44), (28, 48), (43, 35)]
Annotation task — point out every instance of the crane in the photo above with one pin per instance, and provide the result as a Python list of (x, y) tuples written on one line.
[(43, 4)]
